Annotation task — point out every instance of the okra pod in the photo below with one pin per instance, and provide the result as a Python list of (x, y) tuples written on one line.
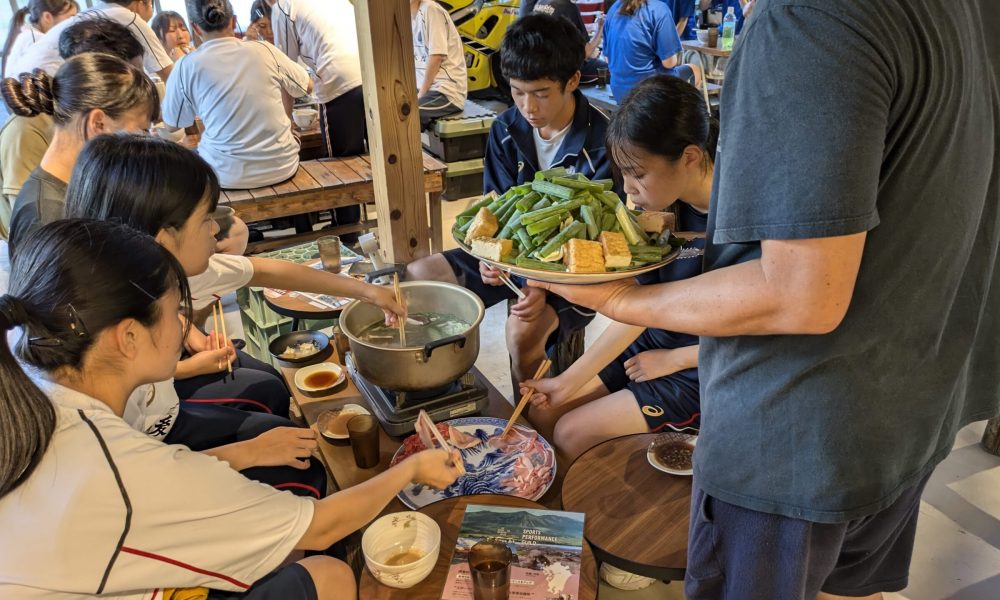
[(587, 214), (523, 261), (556, 209), (552, 189), (540, 226)]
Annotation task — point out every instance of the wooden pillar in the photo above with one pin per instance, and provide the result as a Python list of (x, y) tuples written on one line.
[(991, 437), (390, 87)]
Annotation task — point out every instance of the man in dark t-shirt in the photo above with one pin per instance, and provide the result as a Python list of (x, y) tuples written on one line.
[(850, 310)]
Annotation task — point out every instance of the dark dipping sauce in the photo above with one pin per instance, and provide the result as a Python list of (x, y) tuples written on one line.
[(675, 455), (320, 379)]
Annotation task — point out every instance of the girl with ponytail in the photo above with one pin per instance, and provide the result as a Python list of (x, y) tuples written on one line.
[(632, 379), (31, 22), (91, 508), (89, 95)]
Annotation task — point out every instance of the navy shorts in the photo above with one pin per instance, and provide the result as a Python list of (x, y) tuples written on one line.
[(735, 552), (466, 267), (291, 582), (672, 401)]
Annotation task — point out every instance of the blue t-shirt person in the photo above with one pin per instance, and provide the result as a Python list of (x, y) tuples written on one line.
[(636, 45), (685, 9)]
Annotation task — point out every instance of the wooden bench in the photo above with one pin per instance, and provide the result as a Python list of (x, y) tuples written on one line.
[(324, 184)]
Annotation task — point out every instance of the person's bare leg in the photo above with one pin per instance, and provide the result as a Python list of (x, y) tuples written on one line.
[(825, 596), (598, 420), (430, 268), (333, 579), (526, 345), (544, 419)]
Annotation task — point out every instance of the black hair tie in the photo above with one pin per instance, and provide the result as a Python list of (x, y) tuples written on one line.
[(12, 312)]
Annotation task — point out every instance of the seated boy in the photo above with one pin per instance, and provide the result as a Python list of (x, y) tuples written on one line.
[(442, 79), (551, 125)]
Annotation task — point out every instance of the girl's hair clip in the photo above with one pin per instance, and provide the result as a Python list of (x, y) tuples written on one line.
[(76, 324)]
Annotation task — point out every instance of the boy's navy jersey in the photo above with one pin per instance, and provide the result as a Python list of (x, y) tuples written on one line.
[(510, 152)]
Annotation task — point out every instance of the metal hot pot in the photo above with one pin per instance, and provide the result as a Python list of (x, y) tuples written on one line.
[(418, 368)]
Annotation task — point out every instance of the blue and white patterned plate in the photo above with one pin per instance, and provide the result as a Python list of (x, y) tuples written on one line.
[(485, 467)]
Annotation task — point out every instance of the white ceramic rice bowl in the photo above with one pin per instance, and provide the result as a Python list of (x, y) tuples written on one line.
[(397, 532)]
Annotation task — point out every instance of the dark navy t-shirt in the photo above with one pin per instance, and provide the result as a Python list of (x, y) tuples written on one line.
[(904, 145), (681, 9)]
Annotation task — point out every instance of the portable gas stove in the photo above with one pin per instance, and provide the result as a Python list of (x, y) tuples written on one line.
[(398, 411)]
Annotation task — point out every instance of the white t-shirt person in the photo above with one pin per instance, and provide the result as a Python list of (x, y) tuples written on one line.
[(111, 511), (26, 38), (44, 53), (235, 87), (435, 33), (322, 34)]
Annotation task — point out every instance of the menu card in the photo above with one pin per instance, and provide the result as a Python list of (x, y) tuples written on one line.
[(547, 547)]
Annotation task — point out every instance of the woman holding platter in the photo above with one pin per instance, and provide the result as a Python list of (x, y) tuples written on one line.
[(634, 379)]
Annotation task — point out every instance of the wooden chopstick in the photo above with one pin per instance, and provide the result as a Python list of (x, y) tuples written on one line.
[(542, 369), (502, 276), (215, 326), (225, 336), (399, 300)]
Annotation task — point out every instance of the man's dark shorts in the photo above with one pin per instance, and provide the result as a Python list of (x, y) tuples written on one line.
[(291, 582), (734, 552), (466, 268)]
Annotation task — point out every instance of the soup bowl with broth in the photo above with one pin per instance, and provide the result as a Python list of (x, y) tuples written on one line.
[(400, 549)]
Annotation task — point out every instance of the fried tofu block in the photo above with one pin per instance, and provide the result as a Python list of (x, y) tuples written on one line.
[(483, 226), (656, 222), (616, 252), (492, 248), (584, 256)]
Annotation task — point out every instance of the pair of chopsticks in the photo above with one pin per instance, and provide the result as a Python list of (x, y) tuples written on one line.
[(401, 323), (217, 319), (505, 278), (542, 370), (429, 424)]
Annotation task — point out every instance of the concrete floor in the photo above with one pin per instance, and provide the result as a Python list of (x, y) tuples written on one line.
[(957, 555)]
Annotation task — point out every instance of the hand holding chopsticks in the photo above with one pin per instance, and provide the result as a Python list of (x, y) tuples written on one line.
[(542, 370), (426, 426), (505, 278)]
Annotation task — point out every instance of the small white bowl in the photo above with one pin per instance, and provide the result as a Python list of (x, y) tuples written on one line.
[(321, 420), (162, 131), (305, 117), (399, 532), (302, 374)]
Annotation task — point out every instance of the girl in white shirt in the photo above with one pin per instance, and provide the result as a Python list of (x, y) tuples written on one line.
[(31, 22), (243, 93), (173, 33), (91, 508)]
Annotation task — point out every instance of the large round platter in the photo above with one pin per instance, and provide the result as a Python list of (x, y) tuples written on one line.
[(486, 467), (570, 278)]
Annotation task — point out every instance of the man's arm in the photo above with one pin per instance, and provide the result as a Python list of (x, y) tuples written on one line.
[(795, 287), (682, 25), (433, 66)]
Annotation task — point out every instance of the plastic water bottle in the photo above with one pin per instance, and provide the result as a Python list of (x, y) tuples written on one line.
[(729, 29)]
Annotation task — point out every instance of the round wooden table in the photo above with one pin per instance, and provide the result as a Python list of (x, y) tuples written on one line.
[(291, 304), (449, 514), (637, 516)]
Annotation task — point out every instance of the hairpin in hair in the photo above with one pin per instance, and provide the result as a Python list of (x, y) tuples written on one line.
[(76, 324)]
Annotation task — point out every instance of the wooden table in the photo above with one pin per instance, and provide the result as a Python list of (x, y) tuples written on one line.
[(324, 184), (637, 516), (448, 514), (339, 459)]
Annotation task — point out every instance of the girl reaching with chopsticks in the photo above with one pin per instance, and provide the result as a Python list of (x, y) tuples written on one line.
[(633, 379), (91, 508), (135, 180)]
